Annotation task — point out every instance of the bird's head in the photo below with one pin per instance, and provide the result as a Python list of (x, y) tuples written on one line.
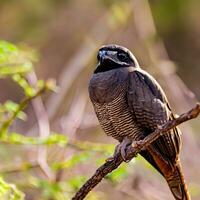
[(114, 56)]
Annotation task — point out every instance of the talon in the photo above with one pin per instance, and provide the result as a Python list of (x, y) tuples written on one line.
[(122, 148), (123, 154)]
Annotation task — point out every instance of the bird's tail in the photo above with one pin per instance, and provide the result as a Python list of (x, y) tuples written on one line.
[(177, 184)]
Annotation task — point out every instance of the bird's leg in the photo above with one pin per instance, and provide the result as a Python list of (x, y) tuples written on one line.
[(122, 148)]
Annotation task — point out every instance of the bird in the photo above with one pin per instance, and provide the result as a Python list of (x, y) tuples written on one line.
[(130, 104)]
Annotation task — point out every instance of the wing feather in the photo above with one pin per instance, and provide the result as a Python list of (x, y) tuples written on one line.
[(151, 108)]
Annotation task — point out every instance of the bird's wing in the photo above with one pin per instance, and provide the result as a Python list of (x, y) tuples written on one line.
[(150, 108)]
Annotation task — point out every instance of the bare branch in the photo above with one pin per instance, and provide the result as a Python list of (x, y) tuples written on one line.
[(44, 127), (20, 167), (112, 164)]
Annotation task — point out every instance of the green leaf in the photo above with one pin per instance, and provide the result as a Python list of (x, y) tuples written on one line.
[(9, 191), (7, 50), (40, 83), (75, 159), (22, 82), (16, 138), (58, 139), (76, 182), (50, 189), (108, 149), (10, 106), (13, 60), (13, 68)]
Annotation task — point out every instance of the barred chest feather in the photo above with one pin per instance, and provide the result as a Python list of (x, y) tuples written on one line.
[(108, 94)]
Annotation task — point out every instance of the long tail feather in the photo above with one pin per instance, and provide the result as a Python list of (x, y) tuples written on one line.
[(177, 184)]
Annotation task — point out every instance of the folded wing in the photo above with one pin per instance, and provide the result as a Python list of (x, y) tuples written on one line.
[(150, 108)]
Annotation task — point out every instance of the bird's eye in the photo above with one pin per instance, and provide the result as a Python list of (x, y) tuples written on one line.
[(122, 56)]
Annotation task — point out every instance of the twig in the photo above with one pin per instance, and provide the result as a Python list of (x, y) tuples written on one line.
[(44, 127), (70, 124), (112, 164), (19, 167), (71, 121), (21, 106)]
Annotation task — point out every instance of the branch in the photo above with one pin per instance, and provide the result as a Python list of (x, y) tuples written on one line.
[(44, 127), (21, 106), (18, 168), (112, 164)]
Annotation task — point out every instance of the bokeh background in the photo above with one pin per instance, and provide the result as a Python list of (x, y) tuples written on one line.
[(65, 36)]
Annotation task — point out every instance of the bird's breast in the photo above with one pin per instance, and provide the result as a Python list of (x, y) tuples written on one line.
[(105, 86), (108, 92), (116, 118)]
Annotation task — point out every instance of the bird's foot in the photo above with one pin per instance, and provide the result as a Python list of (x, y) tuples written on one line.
[(122, 148)]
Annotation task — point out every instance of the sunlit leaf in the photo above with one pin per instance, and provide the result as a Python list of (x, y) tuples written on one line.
[(93, 146), (9, 191), (76, 182), (13, 68), (56, 139), (13, 60), (22, 82), (7, 50), (50, 189), (74, 160), (40, 83), (16, 138), (10, 106)]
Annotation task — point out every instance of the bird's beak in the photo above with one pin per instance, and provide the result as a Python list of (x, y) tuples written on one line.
[(106, 56), (102, 56)]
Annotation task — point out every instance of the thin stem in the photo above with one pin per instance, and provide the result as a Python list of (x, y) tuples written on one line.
[(21, 107)]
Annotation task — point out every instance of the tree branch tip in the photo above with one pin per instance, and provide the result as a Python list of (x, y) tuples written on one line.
[(195, 111), (198, 105)]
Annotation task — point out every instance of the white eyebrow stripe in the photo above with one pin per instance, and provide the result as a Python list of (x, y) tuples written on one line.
[(111, 53)]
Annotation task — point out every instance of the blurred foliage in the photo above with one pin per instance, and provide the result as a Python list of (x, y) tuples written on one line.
[(16, 138), (50, 189), (9, 191), (58, 30), (71, 162), (13, 61), (167, 13), (118, 175), (15, 64), (194, 189)]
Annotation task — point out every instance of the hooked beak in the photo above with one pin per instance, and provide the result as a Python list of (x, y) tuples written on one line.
[(102, 56)]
